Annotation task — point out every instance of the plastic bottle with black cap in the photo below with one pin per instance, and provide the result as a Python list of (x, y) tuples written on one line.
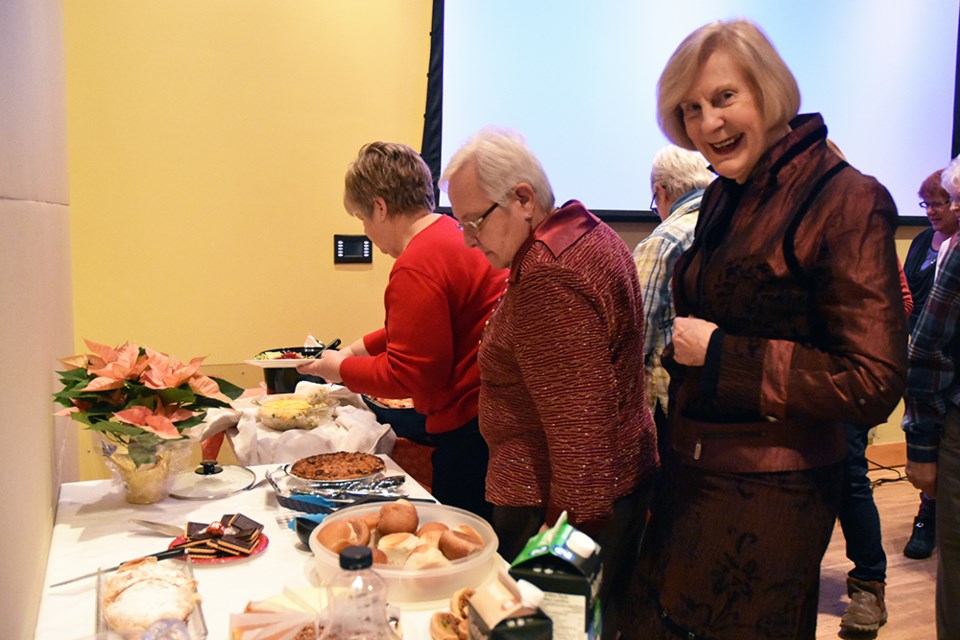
[(357, 598)]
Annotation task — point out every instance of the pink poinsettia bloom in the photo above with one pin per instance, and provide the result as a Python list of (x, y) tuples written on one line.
[(206, 386), (113, 366), (160, 421), (166, 372)]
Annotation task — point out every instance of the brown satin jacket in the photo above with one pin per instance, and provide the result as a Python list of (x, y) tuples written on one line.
[(798, 269)]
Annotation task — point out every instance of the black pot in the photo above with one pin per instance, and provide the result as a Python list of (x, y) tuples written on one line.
[(406, 423)]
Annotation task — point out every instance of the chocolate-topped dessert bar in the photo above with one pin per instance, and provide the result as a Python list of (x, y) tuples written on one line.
[(233, 535)]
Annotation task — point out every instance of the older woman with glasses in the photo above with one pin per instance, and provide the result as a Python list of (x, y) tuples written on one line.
[(437, 301), (790, 323), (920, 268), (562, 402)]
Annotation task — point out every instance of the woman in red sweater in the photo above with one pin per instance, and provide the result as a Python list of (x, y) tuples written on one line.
[(437, 301)]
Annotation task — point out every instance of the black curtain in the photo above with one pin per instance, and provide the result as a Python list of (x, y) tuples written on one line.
[(433, 117)]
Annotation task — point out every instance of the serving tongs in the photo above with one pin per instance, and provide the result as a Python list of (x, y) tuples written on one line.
[(315, 352), (326, 497)]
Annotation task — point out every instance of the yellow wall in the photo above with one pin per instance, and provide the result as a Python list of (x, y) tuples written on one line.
[(207, 146)]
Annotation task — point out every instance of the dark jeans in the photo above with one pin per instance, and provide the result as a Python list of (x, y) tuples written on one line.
[(859, 518), (460, 460)]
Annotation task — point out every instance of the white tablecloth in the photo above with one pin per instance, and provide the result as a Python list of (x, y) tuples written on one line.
[(353, 427), (93, 530)]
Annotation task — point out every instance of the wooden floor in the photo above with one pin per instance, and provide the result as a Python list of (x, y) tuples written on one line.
[(910, 583)]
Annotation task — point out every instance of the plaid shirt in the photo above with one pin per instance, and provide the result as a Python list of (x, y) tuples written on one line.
[(655, 258), (933, 358)]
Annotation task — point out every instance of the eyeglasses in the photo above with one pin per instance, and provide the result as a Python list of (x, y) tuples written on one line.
[(474, 225), (935, 205)]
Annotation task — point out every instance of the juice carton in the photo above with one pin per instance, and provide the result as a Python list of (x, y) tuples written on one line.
[(565, 563)]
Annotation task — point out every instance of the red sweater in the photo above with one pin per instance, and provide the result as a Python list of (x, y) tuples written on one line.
[(437, 301)]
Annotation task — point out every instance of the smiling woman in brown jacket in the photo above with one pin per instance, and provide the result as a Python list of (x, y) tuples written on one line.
[(789, 323)]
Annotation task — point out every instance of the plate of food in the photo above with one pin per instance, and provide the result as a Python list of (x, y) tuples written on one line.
[(146, 592), (284, 358), (340, 466), (202, 558), (233, 537)]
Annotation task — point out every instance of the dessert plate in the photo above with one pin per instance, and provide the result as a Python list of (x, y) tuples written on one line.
[(262, 543)]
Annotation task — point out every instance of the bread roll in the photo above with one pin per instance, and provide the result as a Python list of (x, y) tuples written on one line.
[(460, 542), (398, 517), (426, 557), (340, 534), (398, 546), (430, 533), (379, 557)]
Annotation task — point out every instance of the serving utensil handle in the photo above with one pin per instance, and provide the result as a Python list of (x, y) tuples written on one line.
[(159, 555)]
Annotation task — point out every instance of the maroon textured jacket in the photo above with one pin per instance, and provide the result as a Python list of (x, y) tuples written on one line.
[(562, 402), (805, 288)]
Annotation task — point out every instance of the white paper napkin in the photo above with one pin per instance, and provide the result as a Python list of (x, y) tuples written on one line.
[(353, 427)]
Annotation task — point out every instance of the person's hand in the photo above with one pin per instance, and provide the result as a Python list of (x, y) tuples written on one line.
[(327, 367), (923, 475), (691, 336)]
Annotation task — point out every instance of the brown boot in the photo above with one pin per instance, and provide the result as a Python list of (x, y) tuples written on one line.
[(867, 611)]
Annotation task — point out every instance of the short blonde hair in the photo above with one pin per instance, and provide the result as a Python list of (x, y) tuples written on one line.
[(770, 78), (392, 171)]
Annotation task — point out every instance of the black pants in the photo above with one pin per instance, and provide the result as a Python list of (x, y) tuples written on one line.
[(460, 460), (619, 543)]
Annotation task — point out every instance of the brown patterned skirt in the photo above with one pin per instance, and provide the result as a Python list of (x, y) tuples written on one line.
[(733, 555)]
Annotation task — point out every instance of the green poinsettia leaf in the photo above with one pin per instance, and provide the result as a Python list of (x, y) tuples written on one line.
[(228, 389), (142, 451), (118, 429), (190, 422), (180, 395)]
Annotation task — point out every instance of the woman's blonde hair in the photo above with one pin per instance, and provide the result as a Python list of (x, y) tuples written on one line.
[(391, 171), (770, 78)]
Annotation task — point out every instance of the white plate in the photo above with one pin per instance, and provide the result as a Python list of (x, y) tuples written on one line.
[(280, 363)]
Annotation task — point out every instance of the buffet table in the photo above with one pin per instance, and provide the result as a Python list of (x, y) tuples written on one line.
[(93, 530)]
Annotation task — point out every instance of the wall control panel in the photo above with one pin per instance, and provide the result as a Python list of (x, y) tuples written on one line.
[(352, 249)]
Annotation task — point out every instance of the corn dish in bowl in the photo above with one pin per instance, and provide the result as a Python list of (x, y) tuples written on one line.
[(285, 411)]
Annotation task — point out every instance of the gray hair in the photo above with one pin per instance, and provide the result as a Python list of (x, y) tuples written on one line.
[(679, 171), (951, 178), (503, 160)]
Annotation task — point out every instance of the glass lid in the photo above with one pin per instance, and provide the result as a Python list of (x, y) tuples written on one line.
[(211, 480)]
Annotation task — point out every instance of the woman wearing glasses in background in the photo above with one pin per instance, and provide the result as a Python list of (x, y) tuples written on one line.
[(920, 268), (562, 402), (437, 301)]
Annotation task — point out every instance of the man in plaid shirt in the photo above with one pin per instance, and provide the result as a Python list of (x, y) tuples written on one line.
[(932, 417), (677, 181)]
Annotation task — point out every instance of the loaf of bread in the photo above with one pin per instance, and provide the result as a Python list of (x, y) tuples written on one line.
[(143, 591)]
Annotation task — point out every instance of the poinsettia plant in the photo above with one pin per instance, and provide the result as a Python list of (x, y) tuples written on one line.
[(138, 397)]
